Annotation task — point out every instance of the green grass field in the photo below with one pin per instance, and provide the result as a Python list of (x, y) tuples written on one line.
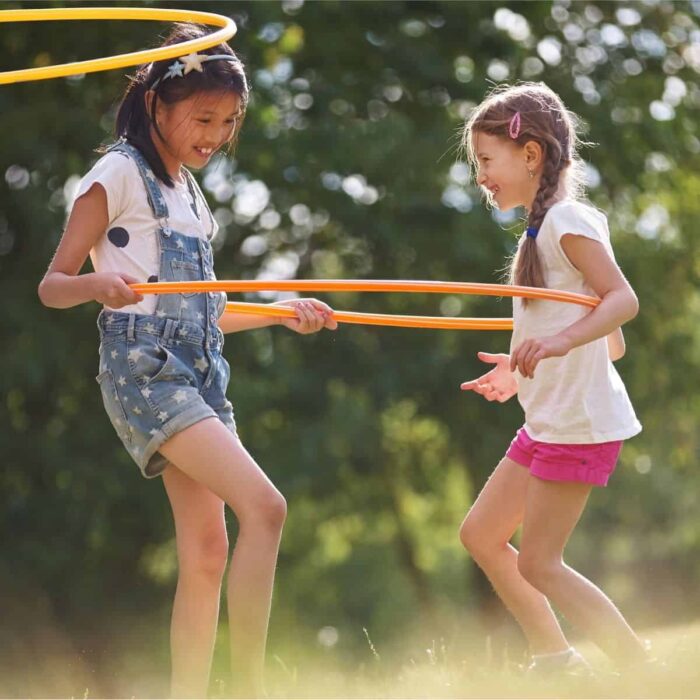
[(441, 672)]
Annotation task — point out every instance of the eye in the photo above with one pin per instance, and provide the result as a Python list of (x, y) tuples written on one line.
[(203, 121)]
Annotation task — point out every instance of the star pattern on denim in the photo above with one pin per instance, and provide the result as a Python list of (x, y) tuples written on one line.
[(201, 364), (135, 354)]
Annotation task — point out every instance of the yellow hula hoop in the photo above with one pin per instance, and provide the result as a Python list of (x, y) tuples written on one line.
[(228, 29), (494, 324)]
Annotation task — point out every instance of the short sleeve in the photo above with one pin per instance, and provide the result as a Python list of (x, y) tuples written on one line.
[(580, 219), (117, 174)]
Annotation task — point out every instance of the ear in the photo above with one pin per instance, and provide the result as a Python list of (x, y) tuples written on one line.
[(534, 155)]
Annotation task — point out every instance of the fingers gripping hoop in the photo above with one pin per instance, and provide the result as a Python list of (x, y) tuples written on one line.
[(493, 324), (228, 29)]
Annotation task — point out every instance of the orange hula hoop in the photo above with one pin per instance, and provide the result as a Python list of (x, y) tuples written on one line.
[(394, 320)]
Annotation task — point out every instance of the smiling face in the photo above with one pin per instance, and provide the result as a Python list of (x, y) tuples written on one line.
[(503, 170), (193, 129)]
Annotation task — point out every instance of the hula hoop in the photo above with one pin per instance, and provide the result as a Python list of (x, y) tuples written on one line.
[(394, 320), (228, 29), (500, 290)]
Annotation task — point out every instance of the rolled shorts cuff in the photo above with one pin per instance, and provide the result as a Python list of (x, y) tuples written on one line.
[(151, 463)]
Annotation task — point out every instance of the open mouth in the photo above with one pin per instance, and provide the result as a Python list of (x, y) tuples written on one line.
[(204, 152)]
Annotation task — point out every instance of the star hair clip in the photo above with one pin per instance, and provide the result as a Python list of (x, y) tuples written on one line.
[(186, 64)]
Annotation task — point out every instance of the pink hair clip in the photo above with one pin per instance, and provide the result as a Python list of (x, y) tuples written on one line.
[(514, 126)]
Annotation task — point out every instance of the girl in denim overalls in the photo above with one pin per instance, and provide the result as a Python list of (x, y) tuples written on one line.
[(141, 216)]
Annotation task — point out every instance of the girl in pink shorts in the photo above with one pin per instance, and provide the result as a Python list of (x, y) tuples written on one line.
[(522, 143)]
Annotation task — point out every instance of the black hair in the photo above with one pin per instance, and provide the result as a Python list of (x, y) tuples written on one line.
[(133, 122)]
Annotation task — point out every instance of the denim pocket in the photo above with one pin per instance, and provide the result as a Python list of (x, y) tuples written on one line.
[(113, 405), (150, 362)]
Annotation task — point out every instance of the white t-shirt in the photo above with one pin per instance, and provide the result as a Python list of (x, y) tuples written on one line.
[(578, 398), (130, 243)]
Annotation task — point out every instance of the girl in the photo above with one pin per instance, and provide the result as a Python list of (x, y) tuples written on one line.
[(522, 143), (141, 216)]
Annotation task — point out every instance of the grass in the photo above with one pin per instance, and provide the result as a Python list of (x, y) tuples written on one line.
[(439, 671)]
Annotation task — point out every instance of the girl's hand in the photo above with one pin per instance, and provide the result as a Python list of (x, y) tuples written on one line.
[(528, 354), (112, 289), (497, 385), (312, 316)]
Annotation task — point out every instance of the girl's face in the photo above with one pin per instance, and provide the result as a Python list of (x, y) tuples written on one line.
[(503, 171), (195, 128)]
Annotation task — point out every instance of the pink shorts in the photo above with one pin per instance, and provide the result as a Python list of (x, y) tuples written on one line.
[(588, 463)]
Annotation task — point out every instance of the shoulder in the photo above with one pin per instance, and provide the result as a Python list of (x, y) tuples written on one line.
[(114, 164), (577, 217), (118, 174)]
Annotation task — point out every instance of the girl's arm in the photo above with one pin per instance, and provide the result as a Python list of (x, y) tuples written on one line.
[(312, 316), (616, 345), (618, 305), (62, 286), (233, 323)]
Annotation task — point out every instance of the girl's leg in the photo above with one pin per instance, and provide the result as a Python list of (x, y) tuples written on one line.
[(552, 510), (202, 551), (208, 453), (486, 531)]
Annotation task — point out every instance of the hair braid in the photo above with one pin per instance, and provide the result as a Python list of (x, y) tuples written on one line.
[(527, 270), (543, 118)]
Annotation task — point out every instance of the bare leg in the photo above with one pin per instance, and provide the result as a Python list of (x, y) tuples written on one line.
[(486, 531), (551, 512), (208, 453), (202, 551)]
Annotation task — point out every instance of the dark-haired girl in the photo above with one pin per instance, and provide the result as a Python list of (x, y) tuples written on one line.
[(141, 216), (522, 143)]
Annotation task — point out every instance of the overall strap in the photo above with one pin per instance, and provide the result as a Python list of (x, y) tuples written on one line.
[(150, 181), (196, 194)]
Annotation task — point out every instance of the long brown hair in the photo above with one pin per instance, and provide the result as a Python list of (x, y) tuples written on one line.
[(545, 120)]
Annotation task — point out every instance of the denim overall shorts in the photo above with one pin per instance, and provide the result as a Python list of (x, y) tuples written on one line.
[(160, 374)]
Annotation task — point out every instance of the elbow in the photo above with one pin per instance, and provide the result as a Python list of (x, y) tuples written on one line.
[(45, 295), (41, 291), (632, 307)]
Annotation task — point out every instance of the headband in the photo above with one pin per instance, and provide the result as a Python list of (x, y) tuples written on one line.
[(182, 66)]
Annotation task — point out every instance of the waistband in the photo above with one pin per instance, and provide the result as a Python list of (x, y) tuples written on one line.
[(116, 323)]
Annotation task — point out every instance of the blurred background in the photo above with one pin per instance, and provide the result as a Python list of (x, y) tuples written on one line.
[(349, 167)]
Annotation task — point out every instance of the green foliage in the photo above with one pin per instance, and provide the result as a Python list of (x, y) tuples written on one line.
[(348, 167)]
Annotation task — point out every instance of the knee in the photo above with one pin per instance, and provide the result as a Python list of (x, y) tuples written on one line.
[(538, 570), (475, 539), (206, 553), (268, 512)]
